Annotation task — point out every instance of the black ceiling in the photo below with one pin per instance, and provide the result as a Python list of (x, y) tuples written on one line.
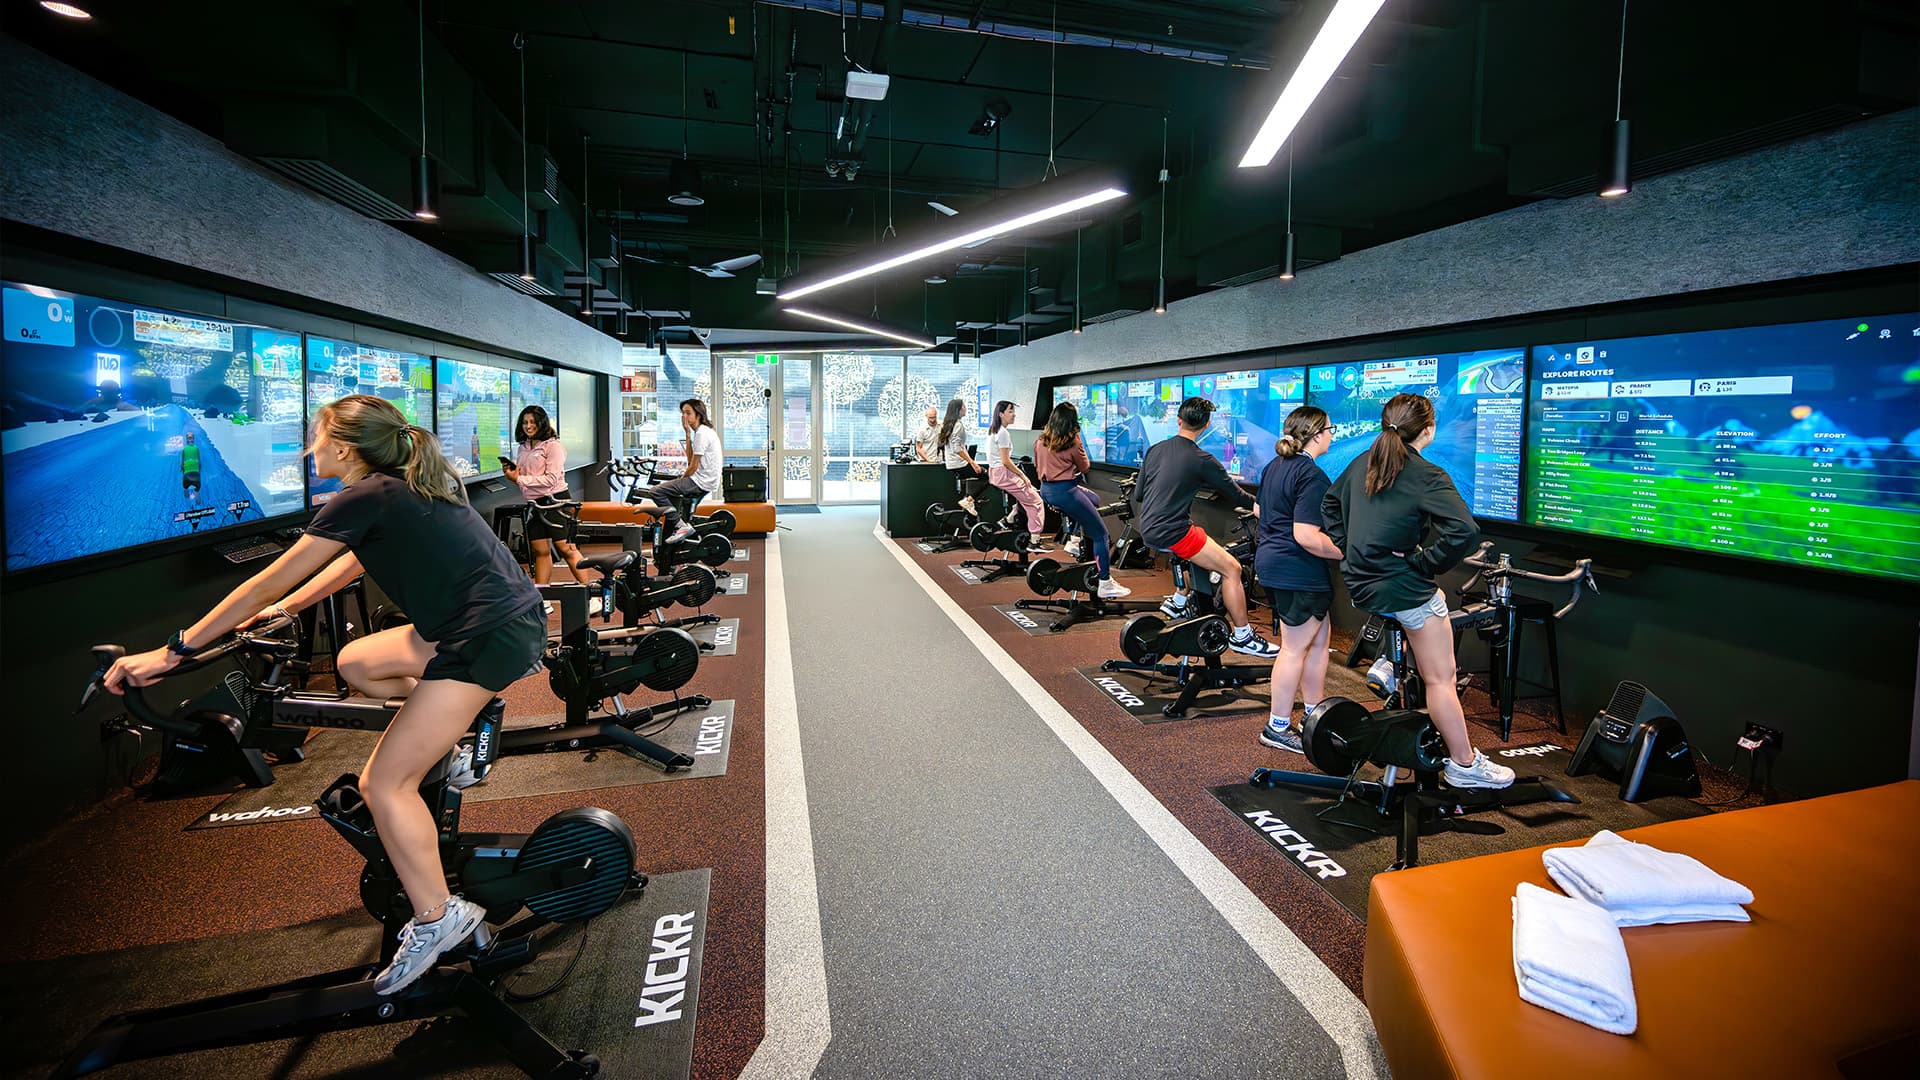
[(1446, 110)]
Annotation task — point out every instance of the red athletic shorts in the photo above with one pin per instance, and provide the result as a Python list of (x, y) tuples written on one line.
[(1190, 544)]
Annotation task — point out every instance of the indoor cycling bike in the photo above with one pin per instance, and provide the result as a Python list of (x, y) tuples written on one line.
[(573, 866)]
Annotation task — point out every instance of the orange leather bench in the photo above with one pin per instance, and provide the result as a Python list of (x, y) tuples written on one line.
[(1823, 974), (749, 518)]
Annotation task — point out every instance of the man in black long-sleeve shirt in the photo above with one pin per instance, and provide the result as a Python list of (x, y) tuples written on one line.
[(1172, 473)]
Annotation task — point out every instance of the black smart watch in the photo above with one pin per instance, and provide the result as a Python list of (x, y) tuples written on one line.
[(177, 645)]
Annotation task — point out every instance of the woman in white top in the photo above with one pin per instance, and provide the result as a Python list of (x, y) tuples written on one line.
[(700, 479), (1007, 476), (960, 464)]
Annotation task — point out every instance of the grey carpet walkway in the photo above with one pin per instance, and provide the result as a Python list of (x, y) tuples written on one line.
[(987, 909)]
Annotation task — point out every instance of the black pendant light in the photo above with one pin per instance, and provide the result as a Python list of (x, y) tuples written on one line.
[(425, 175), (586, 228), (1618, 179), (526, 230), (1286, 258), (683, 176), (1160, 293)]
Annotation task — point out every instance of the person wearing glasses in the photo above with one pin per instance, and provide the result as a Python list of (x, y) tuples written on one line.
[(1291, 565)]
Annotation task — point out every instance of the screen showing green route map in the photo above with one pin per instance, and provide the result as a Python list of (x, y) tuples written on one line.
[(471, 415), (1797, 443)]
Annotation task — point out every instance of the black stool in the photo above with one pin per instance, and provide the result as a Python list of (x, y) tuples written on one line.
[(332, 611), (1503, 637)]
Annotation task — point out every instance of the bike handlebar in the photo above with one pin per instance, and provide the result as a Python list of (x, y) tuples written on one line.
[(253, 639), (1581, 574)]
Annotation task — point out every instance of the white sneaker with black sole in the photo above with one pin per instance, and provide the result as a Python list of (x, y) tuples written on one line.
[(1483, 773), (1174, 607), (1252, 644), (967, 505), (421, 944)]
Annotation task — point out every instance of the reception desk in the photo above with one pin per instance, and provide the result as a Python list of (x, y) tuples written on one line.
[(907, 490)]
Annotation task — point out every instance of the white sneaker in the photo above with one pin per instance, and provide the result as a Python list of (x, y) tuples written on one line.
[(1072, 548), (422, 943), (967, 505), (1036, 547), (685, 531), (548, 606), (1483, 773), (1113, 590), (1253, 644), (460, 774), (1174, 607), (593, 604)]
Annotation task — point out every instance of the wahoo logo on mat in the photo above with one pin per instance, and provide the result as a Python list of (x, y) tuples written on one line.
[(1119, 693), (664, 984), (1294, 844), (262, 814), (1527, 751)]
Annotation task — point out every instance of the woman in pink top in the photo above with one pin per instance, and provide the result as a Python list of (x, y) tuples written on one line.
[(1060, 460), (541, 473)]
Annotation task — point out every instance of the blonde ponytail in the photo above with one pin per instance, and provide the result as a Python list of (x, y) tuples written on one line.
[(381, 436)]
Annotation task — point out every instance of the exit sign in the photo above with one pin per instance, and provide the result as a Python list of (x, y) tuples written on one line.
[(766, 359)]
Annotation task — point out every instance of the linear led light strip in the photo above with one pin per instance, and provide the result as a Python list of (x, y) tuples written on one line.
[(1330, 46), (984, 233), (835, 320)]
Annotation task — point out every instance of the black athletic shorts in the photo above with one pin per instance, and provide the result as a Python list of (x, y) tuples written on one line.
[(537, 527), (1296, 606), (189, 480), (496, 659)]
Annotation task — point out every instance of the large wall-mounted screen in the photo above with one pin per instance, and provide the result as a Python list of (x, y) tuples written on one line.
[(1796, 443), (580, 433), (1139, 413), (123, 425), (336, 369), (1249, 408), (471, 403), (1479, 401), (541, 390), (1092, 432)]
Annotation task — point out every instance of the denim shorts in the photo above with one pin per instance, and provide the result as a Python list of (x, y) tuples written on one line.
[(1416, 617)]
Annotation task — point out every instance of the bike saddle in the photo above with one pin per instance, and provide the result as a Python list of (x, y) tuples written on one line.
[(610, 563)]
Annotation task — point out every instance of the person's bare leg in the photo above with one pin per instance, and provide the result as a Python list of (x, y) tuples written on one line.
[(434, 718), (1233, 595), (1295, 643), (571, 554), (542, 561), (386, 664), (1313, 674), (1432, 646)]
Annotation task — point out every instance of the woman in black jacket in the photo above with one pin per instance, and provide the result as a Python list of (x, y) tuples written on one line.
[(1401, 523)]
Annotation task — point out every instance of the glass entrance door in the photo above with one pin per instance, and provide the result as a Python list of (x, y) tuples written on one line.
[(797, 477)]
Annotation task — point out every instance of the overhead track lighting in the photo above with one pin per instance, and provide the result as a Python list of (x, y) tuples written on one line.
[(1618, 179), (67, 11), (423, 168), (849, 324), (988, 232), (1336, 38), (945, 210)]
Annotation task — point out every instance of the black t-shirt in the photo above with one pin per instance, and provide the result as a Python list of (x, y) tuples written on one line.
[(1172, 473), (437, 560), (1290, 492), (1396, 542)]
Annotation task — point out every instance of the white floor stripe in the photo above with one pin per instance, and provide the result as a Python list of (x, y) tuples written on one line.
[(798, 1024), (1316, 987)]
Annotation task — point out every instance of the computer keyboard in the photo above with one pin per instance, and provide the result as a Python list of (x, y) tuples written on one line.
[(248, 549)]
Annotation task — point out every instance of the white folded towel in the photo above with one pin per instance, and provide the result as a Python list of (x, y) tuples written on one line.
[(1568, 957), (1641, 885)]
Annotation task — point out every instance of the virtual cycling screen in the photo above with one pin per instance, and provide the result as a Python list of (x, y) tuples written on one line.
[(1479, 406), (1797, 443), (1093, 436), (336, 369), (532, 389), (471, 402), (121, 424), (1139, 413), (1250, 407)]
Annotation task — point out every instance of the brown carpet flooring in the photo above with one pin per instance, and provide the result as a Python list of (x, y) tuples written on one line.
[(1178, 761), (125, 874)]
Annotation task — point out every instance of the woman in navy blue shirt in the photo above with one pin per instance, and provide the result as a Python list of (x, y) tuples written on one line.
[(1291, 565)]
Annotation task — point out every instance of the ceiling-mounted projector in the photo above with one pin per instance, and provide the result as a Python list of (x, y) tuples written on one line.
[(866, 86)]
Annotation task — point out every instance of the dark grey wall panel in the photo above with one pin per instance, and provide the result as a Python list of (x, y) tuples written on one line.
[(87, 161), (1844, 200)]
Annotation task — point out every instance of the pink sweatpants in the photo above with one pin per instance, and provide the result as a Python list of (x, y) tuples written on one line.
[(1020, 491)]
